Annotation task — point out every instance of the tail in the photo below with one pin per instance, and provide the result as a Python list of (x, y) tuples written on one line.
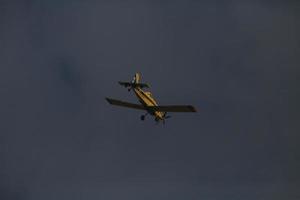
[(136, 78), (134, 83)]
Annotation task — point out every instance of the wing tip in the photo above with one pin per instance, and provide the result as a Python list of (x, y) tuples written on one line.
[(192, 108), (108, 100)]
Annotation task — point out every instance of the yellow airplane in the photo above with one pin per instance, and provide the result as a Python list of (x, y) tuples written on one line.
[(147, 101)]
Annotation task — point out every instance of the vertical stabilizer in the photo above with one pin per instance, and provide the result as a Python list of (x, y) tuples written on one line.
[(136, 78), (136, 82)]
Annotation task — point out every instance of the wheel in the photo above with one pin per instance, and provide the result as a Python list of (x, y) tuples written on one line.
[(143, 117)]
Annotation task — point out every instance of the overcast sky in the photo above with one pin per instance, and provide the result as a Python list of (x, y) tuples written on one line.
[(236, 62)]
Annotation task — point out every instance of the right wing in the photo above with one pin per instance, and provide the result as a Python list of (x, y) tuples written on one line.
[(173, 108), (125, 104)]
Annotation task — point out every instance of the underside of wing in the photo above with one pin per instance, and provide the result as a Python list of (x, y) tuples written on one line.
[(125, 104), (174, 108)]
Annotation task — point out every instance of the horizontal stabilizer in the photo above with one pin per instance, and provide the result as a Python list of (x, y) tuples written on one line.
[(134, 85), (125, 104), (173, 108)]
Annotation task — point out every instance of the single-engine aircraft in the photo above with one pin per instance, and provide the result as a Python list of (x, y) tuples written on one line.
[(147, 101)]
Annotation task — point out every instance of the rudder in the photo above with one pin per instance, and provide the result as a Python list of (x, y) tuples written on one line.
[(136, 78)]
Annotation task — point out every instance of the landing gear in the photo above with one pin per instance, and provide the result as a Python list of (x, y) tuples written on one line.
[(143, 116)]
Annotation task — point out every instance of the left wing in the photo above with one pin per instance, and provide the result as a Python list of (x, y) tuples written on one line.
[(174, 108), (125, 104)]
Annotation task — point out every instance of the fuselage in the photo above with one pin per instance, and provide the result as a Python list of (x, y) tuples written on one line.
[(147, 100)]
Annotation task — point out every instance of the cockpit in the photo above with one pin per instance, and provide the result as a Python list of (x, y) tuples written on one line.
[(148, 94)]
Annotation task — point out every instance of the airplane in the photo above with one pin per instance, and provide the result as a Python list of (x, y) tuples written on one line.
[(147, 101)]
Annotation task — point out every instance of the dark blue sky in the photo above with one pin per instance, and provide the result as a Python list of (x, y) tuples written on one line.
[(237, 62)]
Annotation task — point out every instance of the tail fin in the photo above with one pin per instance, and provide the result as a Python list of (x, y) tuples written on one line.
[(136, 78), (135, 82)]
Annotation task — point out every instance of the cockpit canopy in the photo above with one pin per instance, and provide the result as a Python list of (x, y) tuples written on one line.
[(149, 94)]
